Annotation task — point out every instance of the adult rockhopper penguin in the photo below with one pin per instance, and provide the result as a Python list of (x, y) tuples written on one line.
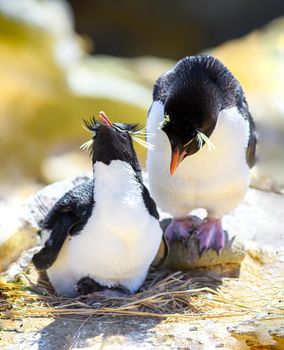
[(204, 141), (105, 231)]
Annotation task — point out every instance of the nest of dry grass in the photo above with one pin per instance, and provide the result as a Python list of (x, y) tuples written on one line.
[(164, 294)]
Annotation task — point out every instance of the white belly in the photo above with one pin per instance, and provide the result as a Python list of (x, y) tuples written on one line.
[(119, 241), (215, 180)]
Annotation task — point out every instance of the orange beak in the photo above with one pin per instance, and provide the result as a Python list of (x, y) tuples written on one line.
[(104, 119), (176, 159)]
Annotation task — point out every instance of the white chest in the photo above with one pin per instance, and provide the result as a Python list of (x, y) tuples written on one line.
[(205, 178)]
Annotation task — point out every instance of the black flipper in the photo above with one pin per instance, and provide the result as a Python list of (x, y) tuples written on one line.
[(67, 217), (243, 108), (48, 254), (251, 149), (149, 202), (150, 205)]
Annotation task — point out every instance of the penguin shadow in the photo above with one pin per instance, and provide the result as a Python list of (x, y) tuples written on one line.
[(75, 332), (79, 331)]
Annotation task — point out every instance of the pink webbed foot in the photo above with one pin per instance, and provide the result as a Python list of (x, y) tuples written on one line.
[(210, 234), (179, 229)]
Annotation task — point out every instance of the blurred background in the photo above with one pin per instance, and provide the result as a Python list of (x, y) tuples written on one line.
[(62, 61)]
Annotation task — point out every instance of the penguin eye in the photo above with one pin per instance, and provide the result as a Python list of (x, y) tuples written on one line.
[(165, 121), (123, 134)]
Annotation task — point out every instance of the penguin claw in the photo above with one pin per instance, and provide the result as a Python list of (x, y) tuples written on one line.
[(87, 285), (211, 236), (209, 233), (179, 229)]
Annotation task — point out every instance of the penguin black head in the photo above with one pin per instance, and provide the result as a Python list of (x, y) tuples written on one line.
[(201, 86), (112, 141)]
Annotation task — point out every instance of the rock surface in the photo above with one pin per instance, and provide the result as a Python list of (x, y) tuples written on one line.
[(16, 234)]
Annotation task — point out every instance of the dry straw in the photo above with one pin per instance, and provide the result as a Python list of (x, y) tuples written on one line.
[(172, 295)]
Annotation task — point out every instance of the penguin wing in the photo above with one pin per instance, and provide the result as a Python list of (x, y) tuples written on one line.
[(67, 217), (251, 148), (152, 209), (149, 202)]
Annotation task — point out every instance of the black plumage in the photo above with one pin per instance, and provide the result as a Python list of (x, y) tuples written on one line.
[(67, 217), (193, 93)]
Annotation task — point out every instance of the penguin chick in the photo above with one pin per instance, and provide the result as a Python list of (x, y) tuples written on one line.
[(204, 144), (106, 229)]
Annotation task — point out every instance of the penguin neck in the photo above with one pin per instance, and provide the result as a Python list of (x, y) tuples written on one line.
[(114, 181)]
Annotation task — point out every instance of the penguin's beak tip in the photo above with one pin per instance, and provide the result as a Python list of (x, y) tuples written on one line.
[(177, 158), (172, 171), (104, 119)]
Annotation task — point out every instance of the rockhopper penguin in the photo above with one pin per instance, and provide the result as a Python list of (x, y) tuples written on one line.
[(105, 231), (204, 144)]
